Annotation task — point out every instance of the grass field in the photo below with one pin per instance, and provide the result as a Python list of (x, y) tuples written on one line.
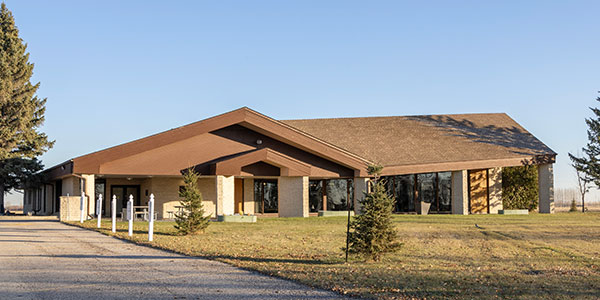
[(444, 256)]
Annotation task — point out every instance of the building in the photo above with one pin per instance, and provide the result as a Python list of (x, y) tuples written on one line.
[(253, 164)]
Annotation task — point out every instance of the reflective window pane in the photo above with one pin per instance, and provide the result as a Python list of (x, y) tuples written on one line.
[(445, 191), (315, 195), (270, 197), (258, 207), (337, 194), (404, 193), (426, 187), (265, 196), (99, 187)]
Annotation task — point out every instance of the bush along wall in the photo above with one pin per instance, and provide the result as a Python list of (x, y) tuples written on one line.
[(520, 187)]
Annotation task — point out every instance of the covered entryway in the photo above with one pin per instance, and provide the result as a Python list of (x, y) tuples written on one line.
[(122, 193)]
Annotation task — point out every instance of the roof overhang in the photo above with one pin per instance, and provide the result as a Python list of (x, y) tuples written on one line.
[(468, 165), (288, 166), (91, 163)]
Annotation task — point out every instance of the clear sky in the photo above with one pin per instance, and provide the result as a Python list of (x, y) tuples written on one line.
[(115, 71)]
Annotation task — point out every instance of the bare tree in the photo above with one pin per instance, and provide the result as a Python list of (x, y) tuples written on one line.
[(583, 182)]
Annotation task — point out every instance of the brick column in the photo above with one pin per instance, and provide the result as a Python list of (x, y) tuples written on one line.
[(495, 189), (90, 193), (225, 195), (293, 196), (460, 192), (546, 188)]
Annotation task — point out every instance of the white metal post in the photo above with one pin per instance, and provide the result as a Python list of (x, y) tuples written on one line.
[(130, 214), (81, 207), (99, 209), (114, 213), (151, 218)]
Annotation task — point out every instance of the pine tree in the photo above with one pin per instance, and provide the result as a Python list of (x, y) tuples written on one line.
[(21, 111), (372, 232), (587, 165), (192, 219), (573, 206)]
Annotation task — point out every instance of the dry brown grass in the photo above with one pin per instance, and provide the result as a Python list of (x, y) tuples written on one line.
[(517, 257)]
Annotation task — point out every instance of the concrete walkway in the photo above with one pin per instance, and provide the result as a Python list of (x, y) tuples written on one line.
[(41, 258)]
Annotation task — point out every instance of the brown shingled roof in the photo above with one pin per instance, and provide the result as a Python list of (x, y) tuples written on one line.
[(431, 139)]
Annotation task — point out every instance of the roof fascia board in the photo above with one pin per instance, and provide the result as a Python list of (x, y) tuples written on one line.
[(299, 139), (288, 165), (467, 165), (91, 163), (58, 171)]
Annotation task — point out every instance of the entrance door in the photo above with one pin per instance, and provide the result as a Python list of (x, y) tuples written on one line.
[(122, 193), (239, 196), (478, 191)]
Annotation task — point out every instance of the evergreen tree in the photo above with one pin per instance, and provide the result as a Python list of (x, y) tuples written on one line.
[(587, 166), (21, 111), (192, 220), (372, 232), (573, 206)]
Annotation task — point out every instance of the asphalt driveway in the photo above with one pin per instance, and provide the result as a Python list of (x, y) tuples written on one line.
[(41, 258)]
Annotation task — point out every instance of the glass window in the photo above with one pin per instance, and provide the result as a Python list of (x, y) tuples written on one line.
[(404, 190), (338, 194), (445, 191), (257, 197), (265, 196), (99, 189), (315, 195), (426, 187)]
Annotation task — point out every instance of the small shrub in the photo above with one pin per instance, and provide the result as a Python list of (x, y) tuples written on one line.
[(192, 219), (520, 187)]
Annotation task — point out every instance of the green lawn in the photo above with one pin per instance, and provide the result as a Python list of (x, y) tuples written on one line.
[(444, 256)]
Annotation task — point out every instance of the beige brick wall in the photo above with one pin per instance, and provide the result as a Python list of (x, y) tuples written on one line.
[(546, 188), (71, 186), (225, 193), (460, 192), (166, 195), (293, 196), (495, 189), (69, 208), (208, 190), (249, 196)]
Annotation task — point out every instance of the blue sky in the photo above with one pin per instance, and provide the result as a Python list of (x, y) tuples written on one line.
[(114, 71)]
